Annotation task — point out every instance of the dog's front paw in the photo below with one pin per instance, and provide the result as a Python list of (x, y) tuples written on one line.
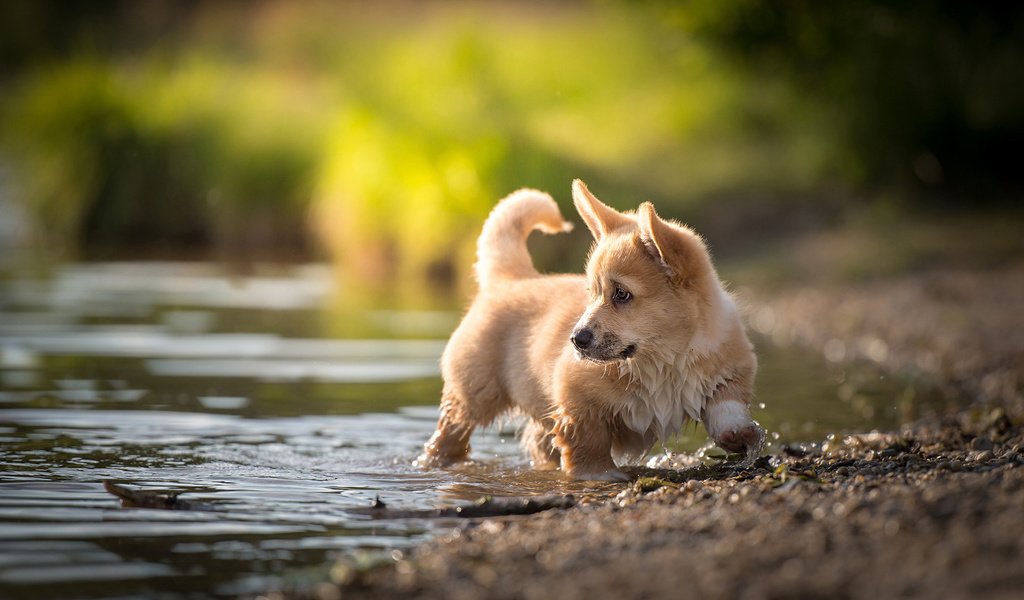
[(729, 424), (738, 440)]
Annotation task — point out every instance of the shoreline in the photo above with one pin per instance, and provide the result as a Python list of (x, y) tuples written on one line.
[(929, 510)]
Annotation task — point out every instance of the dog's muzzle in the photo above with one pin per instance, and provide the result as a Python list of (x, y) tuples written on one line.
[(607, 349)]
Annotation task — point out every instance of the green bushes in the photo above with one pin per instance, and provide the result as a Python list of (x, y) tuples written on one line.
[(391, 136), (109, 156)]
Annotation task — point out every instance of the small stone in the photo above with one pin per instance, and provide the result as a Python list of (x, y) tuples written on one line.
[(981, 443), (956, 465), (693, 485), (984, 456)]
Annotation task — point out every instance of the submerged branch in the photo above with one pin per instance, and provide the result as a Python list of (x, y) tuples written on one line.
[(485, 507), (145, 499)]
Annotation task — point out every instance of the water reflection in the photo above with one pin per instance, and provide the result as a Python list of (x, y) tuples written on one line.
[(181, 378)]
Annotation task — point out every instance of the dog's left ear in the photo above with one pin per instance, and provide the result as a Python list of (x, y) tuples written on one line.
[(674, 250)]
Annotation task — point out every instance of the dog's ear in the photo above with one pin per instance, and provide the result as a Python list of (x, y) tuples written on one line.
[(676, 250), (599, 217)]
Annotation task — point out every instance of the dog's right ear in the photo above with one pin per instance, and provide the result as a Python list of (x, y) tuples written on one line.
[(599, 217)]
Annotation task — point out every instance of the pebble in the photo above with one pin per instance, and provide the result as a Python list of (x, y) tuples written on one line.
[(984, 456), (981, 443), (693, 485)]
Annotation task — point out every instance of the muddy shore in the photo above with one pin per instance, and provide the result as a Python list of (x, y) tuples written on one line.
[(931, 510)]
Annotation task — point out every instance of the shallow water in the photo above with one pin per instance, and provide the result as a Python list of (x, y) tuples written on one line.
[(229, 389)]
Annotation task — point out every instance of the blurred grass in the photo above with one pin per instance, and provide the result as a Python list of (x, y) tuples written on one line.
[(187, 153), (382, 135)]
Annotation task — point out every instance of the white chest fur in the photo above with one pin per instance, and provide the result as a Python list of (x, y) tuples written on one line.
[(665, 395)]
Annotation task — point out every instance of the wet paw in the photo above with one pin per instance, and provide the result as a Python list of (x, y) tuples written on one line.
[(739, 439), (728, 422)]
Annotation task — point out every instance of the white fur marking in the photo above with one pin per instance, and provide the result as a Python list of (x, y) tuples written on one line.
[(667, 393), (726, 415)]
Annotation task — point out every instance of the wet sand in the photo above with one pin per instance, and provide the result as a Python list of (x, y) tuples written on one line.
[(932, 510)]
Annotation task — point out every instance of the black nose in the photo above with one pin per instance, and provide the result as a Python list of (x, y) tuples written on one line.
[(582, 339)]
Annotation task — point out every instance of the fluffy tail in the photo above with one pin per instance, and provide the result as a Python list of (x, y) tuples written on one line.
[(501, 250)]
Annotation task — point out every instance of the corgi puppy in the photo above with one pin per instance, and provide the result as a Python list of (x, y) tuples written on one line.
[(605, 364)]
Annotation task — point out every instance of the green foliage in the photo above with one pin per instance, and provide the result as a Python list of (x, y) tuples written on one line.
[(393, 129), (916, 92), (183, 154), (449, 116)]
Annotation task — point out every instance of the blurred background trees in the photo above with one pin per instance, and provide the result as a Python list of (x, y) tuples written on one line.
[(380, 134), (922, 93)]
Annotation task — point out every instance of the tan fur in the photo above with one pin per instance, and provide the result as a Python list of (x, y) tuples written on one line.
[(673, 352)]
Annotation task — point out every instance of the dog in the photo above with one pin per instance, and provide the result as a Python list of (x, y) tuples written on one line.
[(603, 364)]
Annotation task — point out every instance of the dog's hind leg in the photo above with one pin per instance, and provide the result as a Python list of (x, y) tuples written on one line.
[(459, 417), (450, 442)]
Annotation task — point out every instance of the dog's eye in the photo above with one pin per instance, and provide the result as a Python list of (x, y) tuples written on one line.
[(621, 296)]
